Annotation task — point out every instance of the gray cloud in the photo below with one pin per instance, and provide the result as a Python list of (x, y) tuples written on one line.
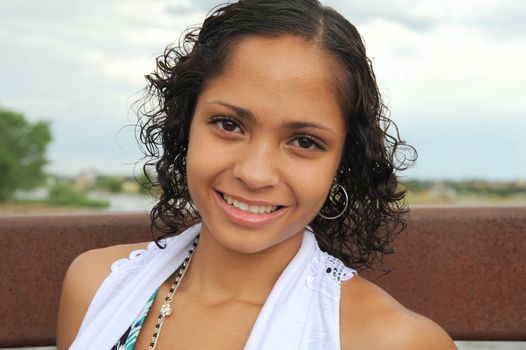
[(363, 12), (503, 22), (495, 19)]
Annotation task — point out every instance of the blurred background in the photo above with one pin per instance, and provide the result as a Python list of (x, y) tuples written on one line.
[(451, 72)]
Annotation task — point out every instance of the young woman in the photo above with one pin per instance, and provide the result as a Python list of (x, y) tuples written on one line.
[(277, 172)]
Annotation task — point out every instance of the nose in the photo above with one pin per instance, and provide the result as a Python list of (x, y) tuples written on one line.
[(256, 166)]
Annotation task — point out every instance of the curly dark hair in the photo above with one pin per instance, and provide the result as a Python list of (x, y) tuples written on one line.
[(375, 212)]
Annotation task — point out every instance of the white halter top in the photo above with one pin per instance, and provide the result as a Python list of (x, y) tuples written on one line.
[(301, 312)]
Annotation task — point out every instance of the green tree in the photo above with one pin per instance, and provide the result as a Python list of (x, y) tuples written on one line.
[(108, 183), (22, 152), (64, 193)]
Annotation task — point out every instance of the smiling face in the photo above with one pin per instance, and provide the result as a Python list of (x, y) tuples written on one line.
[(265, 142)]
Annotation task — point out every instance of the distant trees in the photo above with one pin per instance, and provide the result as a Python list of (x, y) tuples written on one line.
[(22, 152), (110, 184), (64, 193), (469, 187)]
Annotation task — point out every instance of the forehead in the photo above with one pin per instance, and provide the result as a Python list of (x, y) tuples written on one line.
[(288, 72), (281, 58)]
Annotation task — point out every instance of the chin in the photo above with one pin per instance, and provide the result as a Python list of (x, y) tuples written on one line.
[(249, 241)]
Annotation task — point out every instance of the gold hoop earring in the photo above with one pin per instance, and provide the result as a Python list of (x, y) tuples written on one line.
[(334, 199)]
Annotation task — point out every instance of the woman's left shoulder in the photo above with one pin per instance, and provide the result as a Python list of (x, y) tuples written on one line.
[(372, 319)]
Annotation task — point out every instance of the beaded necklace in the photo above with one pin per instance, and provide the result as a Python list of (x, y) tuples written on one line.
[(166, 308)]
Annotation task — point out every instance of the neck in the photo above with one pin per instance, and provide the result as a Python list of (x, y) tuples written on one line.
[(218, 273)]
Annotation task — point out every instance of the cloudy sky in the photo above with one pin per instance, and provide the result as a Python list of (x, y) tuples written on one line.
[(452, 73)]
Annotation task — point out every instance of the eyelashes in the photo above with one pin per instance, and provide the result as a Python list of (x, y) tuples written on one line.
[(226, 124), (305, 142)]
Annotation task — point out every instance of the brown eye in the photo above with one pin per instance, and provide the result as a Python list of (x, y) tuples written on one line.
[(226, 124), (308, 143), (305, 142)]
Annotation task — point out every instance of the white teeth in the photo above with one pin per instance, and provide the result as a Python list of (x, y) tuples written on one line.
[(255, 209), (243, 206)]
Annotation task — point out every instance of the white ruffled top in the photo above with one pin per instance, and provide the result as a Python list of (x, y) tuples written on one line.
[(301, 312)]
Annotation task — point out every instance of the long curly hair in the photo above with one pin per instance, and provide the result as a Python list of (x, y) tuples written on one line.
[(373, 150)]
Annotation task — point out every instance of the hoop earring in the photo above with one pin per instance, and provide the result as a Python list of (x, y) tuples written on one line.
[(334, 199)]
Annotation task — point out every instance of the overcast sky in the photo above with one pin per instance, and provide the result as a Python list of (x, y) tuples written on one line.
[(452, 74)]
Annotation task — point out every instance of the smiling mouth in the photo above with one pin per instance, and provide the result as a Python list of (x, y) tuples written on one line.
[(249, 208)]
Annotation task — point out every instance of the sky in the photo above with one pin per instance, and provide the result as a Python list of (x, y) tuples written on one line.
[(452, 73)]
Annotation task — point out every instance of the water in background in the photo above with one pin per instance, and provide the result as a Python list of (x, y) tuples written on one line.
[(125, 202)]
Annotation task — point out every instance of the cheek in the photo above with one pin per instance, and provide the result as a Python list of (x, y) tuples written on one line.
[(320, 187), (204, 162), (312, 183)]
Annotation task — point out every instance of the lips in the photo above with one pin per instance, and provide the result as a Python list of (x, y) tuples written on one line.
[(251, 214)]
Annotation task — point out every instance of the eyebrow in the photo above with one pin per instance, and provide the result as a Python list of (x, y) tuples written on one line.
[(294, 125)]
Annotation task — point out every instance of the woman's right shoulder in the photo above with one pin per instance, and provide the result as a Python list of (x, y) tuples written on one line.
[(83, 278)]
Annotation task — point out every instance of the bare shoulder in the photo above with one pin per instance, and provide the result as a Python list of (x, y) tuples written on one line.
[(83, 278), (371, 319)]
